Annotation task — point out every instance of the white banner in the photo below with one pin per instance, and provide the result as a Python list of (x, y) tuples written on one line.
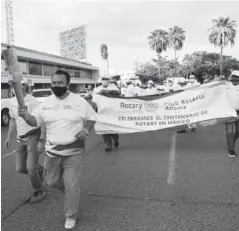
[(200, 106)]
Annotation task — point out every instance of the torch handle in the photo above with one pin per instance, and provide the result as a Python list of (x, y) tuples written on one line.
[(19, 94), (10, 57)]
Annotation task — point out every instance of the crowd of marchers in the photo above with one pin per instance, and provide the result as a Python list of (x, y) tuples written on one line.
[(134, 89), (59, 126)]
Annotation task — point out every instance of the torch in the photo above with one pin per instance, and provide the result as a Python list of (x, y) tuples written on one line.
[(10, 57)]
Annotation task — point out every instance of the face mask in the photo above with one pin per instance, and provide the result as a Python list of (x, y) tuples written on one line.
[(59, 91)]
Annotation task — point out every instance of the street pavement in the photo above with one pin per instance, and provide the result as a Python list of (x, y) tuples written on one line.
[(155, 181)]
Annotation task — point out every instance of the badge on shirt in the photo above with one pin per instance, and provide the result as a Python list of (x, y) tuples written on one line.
[(67, 107)]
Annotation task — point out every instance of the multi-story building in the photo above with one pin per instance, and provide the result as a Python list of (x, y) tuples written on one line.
[(38, 67)]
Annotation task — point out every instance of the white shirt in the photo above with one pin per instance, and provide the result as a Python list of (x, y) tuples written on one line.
[(31, 103), (195, 84), (169, 88), (63, 118), (162, 89), (123, 90), (110, 87), (130, 91), (140, 91), (234, 94), (152, 91), (179, 87)]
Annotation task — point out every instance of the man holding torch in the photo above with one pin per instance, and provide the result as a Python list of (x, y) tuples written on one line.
[(68, 118)]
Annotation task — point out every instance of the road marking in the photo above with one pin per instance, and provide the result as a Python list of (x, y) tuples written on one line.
[(172, 161), (8, 154)]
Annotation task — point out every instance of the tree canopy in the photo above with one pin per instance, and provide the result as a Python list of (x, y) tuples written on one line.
[(201, 63)]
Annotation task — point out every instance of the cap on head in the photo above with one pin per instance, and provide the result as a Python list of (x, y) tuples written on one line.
[(235, 77), (105, 78), (150, 82), (235, 73)]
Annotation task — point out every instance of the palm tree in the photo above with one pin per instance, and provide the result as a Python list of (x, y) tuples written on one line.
[(221, 34), (164, 66), (176, 41), (158, 41), (104, 55)]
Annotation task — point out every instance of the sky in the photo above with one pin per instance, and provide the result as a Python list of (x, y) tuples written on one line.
[(123, 26)]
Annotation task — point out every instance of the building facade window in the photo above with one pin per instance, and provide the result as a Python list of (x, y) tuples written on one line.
[(82, 74), (35, 68), (48, 70), (58, 67), (77, 73), (70, 71), (23, 66), (88, 75), (3, 66)]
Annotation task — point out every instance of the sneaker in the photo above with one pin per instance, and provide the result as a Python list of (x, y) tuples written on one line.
[(232, 153), (116, 144), (38, 196), (108, 149), (70, 223), (192, 129)]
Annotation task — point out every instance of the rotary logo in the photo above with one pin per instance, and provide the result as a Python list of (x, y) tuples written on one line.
[(151, 106)]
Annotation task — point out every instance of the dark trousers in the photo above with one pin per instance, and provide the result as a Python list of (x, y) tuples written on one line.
[(109, 138), (232, 134)]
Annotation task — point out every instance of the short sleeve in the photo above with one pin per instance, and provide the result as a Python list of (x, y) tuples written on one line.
[(37, 113), (35, 105), (90, 114)]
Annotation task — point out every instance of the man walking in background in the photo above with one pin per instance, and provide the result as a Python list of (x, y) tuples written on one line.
[(232, 128), (192, 82), (151, 90), (107, 89), (131, 88), (28, 139)]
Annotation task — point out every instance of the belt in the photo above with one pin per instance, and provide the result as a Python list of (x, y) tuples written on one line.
[(30, 133)]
